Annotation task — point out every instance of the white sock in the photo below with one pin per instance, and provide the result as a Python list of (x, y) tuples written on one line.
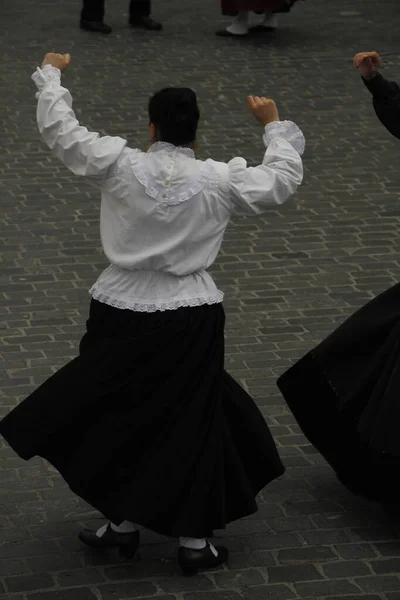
[(125, 527), (270, 20), (240, 25), (196, 544)]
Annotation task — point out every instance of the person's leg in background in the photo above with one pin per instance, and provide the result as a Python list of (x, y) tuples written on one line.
[(92, 16), (269, 22), (139, 15), (239, 26)]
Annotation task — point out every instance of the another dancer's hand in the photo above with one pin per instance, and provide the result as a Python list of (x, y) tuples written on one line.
[(59, 61), (367, 63), (263, 109)]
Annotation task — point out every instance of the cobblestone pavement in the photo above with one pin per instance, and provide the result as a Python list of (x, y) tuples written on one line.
[(289, 278)]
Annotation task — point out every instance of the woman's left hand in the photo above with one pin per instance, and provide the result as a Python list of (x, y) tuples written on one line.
[(59, 61)]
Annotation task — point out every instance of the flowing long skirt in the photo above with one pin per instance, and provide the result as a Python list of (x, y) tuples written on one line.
[(146, 425), (231, 7), (345, 395)]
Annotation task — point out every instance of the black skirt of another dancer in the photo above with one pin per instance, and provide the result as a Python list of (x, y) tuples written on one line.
[(145, 424), (345, 396)]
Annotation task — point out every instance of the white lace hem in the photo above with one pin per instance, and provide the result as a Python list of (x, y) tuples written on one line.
[(139, 306), (287, 130)]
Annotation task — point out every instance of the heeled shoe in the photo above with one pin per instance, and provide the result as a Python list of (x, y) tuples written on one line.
[(193, 561), (127, 543)]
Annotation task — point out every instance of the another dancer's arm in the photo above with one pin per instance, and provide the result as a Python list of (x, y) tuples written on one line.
[(386, 94), (253, 190), (83, 152)]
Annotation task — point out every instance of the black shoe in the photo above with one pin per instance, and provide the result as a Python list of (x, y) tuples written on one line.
[(96, 26), (127, 543), (192, 561), (145, 23)]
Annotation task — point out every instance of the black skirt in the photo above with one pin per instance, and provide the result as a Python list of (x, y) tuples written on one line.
[(145, 425), (345, 396)]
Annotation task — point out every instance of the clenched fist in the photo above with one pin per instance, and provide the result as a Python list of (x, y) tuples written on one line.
[(59, 61), (263, 109), (368, 64)]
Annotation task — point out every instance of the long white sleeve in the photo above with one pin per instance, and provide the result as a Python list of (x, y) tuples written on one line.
[(253, 190), (83, 152)]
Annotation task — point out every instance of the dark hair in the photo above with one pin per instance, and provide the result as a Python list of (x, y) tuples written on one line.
[(175, 113)]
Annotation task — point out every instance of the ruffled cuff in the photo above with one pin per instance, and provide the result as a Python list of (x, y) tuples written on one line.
[(46, 76), (288, 131)]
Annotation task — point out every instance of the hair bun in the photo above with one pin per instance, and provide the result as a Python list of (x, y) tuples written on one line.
[(175, 113)]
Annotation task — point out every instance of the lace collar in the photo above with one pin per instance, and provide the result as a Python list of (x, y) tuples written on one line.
[(157, 146)]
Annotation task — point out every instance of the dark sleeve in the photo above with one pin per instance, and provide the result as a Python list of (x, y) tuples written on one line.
[(386, 100)]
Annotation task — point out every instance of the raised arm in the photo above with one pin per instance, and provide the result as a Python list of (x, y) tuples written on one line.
[(83, 152), (253, 190), (385, 94)]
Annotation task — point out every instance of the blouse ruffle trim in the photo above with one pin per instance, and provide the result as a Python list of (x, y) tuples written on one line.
[(171, 197), (158, 306), (170, 147), (287, 130)]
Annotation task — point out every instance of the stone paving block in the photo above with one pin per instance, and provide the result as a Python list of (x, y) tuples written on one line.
[(347, 568), (54, 562), (338, 587), (314, 554), (326, 537), (361, 596), (388, 548), (13, 567), (74, 594), (293, 573), (278, 540), (186, 584), (214, 595), (169, 597), (240, 579), (381, 583), (25, 583), (79, 577), (355, 551), (258, 558), (391, 565), (269, 592), (153, 569), (124, 591)]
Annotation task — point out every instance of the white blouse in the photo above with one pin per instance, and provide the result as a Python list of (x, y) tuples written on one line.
[(164, 213)]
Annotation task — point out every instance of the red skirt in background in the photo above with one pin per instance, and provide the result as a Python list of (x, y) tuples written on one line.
[(231, 7)]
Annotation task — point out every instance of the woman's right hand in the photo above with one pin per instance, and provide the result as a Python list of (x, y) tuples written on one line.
[(367, 63), (263, 109)]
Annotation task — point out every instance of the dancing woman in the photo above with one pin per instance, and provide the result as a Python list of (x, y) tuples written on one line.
[(345, 393), (145, 424)]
